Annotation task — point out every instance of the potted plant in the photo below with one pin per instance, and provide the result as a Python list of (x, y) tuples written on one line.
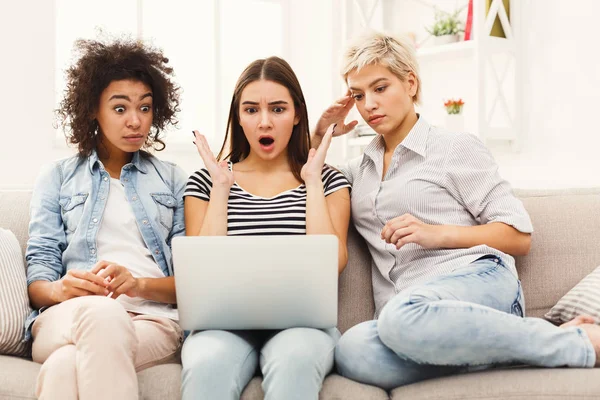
[(454, 117), (446, 27), (454, 106)]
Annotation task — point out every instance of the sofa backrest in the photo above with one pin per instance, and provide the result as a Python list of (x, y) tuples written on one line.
[(565, 248), (565, 244), (14, 214), (355, 297)]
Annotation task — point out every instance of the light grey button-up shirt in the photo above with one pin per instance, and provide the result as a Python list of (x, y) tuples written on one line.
[(441, 178)]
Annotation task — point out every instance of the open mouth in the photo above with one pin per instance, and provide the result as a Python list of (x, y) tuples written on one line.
[(266, 141)]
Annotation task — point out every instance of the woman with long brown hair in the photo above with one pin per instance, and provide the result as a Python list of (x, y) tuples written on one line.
[(269, 141)]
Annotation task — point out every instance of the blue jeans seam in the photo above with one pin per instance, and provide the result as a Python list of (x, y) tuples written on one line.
[(319, 363), (237, 382), (590, 354)]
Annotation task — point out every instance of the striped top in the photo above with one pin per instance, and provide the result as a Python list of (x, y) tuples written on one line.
[(248, 214), (441, 178)]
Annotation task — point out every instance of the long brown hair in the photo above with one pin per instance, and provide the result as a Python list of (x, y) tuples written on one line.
[(276, 70)]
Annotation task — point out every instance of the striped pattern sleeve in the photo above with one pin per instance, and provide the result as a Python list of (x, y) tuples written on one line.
[(333, 180), (14, 301), (199, 185), (583, 299), (473, 179)]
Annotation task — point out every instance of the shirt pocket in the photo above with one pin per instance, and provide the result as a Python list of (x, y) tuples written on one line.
[(165, 203), (72, 210)]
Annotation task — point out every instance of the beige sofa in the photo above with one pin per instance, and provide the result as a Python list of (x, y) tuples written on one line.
[(566, 246)]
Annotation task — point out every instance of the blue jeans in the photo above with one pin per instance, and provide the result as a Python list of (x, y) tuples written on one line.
[(294, 362), (468, 320)]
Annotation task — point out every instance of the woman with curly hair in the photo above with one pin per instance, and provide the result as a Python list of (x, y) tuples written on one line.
[(99, 266)]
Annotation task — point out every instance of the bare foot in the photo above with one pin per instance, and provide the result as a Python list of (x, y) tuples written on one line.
[(593, 333), (579, 320)]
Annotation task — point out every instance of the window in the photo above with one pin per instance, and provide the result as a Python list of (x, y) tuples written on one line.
[(208, 44)]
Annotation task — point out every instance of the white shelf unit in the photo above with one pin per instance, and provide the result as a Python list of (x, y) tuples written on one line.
[(492, 66), (447, 50)]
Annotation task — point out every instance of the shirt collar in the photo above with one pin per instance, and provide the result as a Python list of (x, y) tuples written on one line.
[(136, 161), (416, 141), (375, 149)]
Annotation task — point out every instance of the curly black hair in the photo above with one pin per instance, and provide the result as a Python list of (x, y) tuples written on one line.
[(100, 63)]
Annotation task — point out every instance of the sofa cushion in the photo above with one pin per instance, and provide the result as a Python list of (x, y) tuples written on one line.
[(337, 387), (160, 382), (17, 378), (584, 298), (511, 383), (564, 246), (14, 301)]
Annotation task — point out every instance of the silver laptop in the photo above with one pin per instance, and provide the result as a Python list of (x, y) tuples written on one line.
[(256, 282)]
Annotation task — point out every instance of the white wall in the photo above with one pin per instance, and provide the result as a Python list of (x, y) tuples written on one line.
[(561, 87), (27, 69), (561, 96), (27, 100)]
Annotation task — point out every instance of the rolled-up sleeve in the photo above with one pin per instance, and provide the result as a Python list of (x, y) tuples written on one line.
[(473, 179), (47, 239)]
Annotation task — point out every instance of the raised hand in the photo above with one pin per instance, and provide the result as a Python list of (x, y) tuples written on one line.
[(336, 114), (312, 170), (219, 171)]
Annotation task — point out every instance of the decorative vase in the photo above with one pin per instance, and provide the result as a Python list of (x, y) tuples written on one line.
[(455, 122), (445, 39)]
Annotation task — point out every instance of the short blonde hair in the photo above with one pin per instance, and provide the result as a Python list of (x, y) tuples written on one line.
[(397, 54)]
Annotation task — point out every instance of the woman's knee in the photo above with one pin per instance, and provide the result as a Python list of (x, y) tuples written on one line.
[(216, 350), (400, 321), (104, 320), (220, 360), (354, 347), (300, 349), (100, 310)]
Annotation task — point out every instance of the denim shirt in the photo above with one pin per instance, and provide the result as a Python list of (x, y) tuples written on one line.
[(67, 207)]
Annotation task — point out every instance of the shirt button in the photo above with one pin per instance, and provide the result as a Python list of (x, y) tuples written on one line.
[(134, 198), (168, 201), (105, 179), (95, 220), (156, 251), (145, 222), (102, 197), (93, 251)]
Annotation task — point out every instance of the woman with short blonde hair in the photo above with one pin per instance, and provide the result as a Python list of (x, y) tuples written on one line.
[(442, 228)]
